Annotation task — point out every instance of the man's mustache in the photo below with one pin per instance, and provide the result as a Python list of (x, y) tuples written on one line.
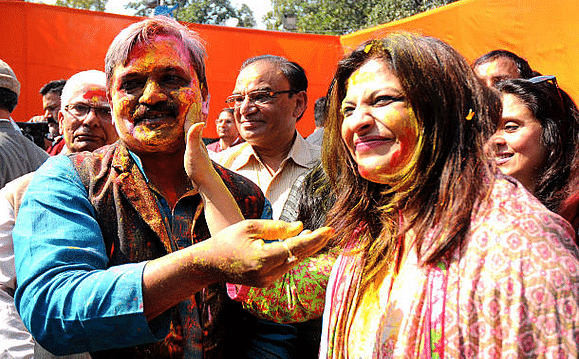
[(161, 109)]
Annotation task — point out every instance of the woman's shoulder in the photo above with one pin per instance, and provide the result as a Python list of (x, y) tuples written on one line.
[(510, 208), (513, 225)]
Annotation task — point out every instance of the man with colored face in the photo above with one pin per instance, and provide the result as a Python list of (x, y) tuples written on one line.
[(85, 114), (226, 130), (113, 253), (499, 65)]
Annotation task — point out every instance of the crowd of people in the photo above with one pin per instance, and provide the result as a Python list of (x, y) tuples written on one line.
[(433, 212)]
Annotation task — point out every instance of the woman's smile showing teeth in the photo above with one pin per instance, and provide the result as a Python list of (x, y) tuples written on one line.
[(502, 158), (370, 142)]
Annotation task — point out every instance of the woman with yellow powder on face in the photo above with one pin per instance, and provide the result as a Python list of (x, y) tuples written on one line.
[(443, 256)]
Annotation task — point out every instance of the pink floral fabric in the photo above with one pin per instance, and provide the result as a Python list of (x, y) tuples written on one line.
[(512, 289)]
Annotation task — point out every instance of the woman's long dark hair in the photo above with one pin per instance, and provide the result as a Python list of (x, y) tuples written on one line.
[(559, 120), (450, 175)]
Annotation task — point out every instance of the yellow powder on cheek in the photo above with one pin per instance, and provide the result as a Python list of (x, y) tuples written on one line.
[(412, 130), (404, 159), (411, 142), (122, 115)]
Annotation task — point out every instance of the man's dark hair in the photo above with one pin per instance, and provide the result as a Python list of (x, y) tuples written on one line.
[(53, 86), (525, 70), (8, 99), (319, 108), (292, 71), (144, 32), (227, 109)]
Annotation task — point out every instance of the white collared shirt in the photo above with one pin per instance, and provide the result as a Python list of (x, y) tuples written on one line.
[(243, 160)]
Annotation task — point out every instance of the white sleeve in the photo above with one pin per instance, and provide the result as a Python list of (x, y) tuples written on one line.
[(15, 340)]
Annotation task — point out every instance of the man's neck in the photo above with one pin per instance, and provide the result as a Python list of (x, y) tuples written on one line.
[(167, 174), (272, 158), (226, 142)]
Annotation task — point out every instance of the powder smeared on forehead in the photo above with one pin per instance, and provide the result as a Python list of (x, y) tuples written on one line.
[(95, 94)]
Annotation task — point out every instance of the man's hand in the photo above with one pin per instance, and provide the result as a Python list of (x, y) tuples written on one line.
[(238, 254), (249, 252)]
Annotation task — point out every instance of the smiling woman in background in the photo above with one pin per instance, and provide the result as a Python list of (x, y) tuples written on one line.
[(443, 256), (536, 138)]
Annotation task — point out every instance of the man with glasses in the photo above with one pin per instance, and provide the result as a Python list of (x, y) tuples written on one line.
[(84, 118), (270, 96), (226, 130)]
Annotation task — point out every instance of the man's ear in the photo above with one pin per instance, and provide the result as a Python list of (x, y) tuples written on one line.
[(60, 122), (205, 107), (301, 104), (205, 104), (111, 105)]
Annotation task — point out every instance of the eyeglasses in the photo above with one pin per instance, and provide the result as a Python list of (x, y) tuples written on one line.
[(257, 98), (544, 78), (547, 78), (81, 110)]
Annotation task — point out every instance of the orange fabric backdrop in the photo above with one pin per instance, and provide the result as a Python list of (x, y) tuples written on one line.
[(543, 32), (43, 43)]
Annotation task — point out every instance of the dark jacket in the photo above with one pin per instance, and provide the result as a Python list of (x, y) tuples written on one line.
[(133, 228)]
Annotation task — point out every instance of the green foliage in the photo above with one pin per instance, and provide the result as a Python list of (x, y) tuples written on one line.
[(390, 10), (97, 5), (340, 17), (214, 12), (245, 16)]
